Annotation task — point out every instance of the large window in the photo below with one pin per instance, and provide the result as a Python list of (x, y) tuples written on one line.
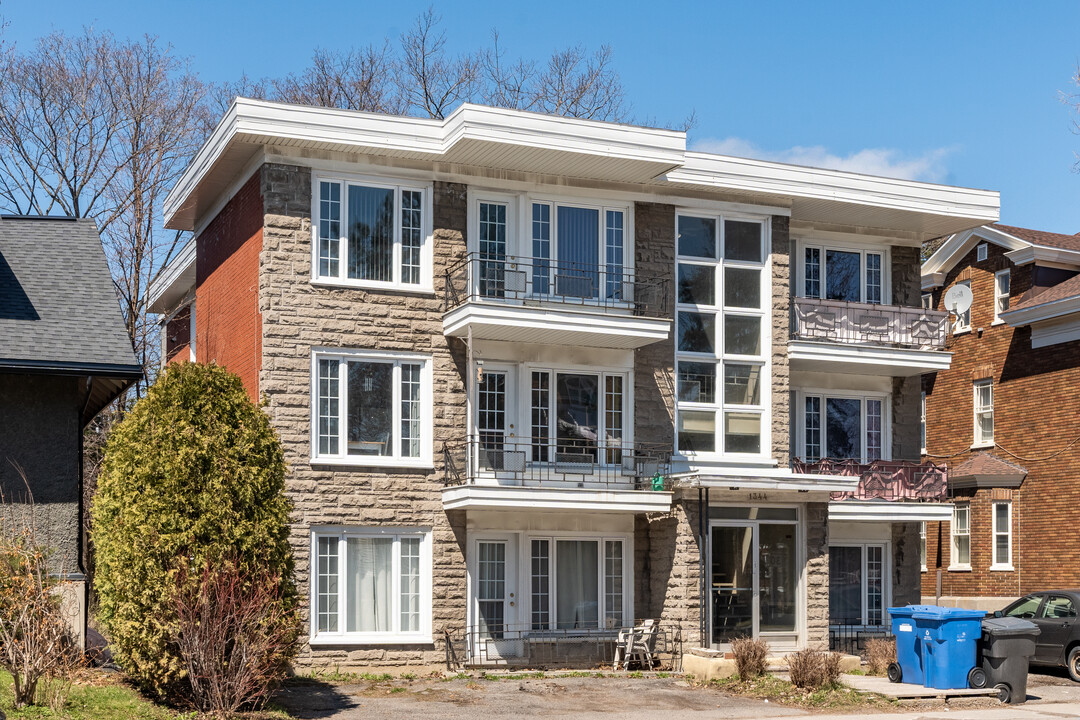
[(856, 584), (960, 529), (854, 427), (578, 583), (1002, 284), (723, 307), (577, 416), (984, 412), (578, 251), (371, 408), (1002, 536), (371, 234), (842, 273), (371, 585)]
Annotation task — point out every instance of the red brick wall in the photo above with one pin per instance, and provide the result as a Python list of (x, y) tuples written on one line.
[(1036, 415), (178, 336), (228, 324)]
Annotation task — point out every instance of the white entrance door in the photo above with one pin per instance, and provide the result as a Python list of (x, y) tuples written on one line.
[(499, 448), (496, 634)]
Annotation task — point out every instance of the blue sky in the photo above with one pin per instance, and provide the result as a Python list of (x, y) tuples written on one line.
[(965, 93)]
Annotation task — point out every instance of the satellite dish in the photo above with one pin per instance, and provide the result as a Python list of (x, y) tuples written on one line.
[(958, 299)]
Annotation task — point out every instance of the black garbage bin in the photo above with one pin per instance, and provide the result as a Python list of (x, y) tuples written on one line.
[(1006, 645)]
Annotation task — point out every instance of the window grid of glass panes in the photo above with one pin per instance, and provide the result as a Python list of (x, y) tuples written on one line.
[(613, 583), (410, 584), (722, 311), (410, 410), (329, 228), (843, 274), (327, 583), (541, 584), (1002, 533), (412, 235)]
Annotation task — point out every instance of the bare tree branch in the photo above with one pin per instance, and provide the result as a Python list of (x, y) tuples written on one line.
[(431, 82)]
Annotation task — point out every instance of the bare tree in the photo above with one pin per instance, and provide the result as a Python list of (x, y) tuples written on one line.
[(431, 82), (507, 84), (358, 79), (581, 85)]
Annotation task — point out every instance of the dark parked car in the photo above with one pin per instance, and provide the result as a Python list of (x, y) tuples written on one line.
[(1055, 612)]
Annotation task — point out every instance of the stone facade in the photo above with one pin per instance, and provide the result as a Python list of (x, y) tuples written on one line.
[(817, 575), (300, 315), (781, 334)]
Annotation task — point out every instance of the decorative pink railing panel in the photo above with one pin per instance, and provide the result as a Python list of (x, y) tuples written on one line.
[(885, 479)]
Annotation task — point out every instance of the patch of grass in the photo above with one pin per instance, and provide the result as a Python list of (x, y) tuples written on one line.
[(92, 700), (774, 689), (408, 676), (397, 689), (458, 676), (637, 674), (663, 675), (856, 671), (539, 675)]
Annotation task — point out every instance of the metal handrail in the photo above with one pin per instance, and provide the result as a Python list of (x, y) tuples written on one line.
[(869, 323), (538, 461), (884, 479), (608, 287)]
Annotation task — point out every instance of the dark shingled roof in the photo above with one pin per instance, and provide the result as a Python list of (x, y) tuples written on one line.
[(58, 310), (1038, 237), (986, 470)]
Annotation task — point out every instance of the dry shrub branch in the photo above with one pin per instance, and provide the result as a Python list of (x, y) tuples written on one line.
[(751, 657)]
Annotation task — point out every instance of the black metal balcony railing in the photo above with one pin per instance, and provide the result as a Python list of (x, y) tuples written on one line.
[(869, 324), (540, 281), (884, 479), (539, 462)]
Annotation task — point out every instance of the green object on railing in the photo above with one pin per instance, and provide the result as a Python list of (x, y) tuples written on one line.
[(657, 481)]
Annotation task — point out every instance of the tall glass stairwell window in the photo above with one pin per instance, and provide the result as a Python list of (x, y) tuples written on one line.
[(722, 310)]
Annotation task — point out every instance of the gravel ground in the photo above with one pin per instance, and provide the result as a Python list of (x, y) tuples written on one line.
[(584, 697)]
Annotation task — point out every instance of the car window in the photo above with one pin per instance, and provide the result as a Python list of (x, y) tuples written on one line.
[(1057, 607), (1024, 607)]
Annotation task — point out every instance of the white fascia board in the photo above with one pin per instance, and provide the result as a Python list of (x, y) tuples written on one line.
[(1055, 333), (372, 132), (1043, 313), (1042, 255), (768, 479), (175, 280), (959, 244), (932, 280), (797, 181), (899, 362), (496, 497), (457, 321), (883, 511)]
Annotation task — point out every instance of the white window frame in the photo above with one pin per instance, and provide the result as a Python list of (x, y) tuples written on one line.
[(720, 408), (886, 419), (886, 578), (342, 533), (922, 421), (1006, 531), (426, 190), (927, 301), (962, 321), (524, 401), (977, 440), (922, 546), (954, 555), (342, 458), (823, 245), (1000, 298), (981, 252)]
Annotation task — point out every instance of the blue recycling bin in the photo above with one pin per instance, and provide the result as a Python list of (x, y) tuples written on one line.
[(909, 657), (949, 637)]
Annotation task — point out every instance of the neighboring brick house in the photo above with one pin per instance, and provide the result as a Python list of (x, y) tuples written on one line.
[(65, 354), (1005, 417), (512, 357)]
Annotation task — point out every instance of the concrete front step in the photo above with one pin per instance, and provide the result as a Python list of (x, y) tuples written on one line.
[(705, 664)]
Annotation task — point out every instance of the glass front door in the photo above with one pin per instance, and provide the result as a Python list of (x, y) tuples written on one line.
[(754, 575)]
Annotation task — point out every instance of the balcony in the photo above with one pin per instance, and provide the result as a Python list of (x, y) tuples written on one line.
[(499, 473), (554, 302), (864, 338), (889, 490)]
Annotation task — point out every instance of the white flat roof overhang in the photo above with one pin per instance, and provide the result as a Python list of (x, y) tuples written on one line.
[(818, 356), (504, 497), (563, 326), (885, 511)]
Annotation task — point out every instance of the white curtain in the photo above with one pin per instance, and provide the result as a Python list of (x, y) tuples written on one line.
[(577, 583), (369, 581)]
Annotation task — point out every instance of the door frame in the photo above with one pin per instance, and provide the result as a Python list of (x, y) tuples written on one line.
[(886, 577), (783, 640)]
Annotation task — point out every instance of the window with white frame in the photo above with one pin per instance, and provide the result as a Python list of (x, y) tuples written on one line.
[(371, 408), (1002, 536), (722, 307), (962, 321), (922, 421), (857, 577), (984, 412), (371, 585), (960, 529), (577, 416), (927, 301), (843, 273), (845, 427), (372, 234), (1002, 283), (980, 252), (578, 250), (922, 545), (578, 583)]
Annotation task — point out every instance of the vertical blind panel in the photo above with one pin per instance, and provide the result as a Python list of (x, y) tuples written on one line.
[(579, 251), (371, 233)]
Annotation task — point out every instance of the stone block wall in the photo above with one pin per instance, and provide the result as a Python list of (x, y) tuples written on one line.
[(298, 315), (675, 569), (781, 333), (817, 575)]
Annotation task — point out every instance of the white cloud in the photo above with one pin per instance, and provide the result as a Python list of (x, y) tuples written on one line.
[(888, 162)]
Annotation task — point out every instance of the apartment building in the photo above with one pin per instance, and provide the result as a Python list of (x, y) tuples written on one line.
[(541, 378), (1004, 417)]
